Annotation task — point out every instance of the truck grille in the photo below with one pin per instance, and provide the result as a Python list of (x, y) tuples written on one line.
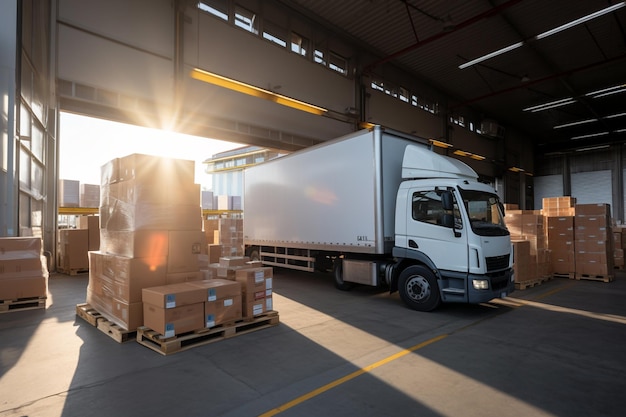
[(496, 263)]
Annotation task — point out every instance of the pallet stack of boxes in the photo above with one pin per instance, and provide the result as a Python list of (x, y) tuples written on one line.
[(150, 234), (594, 241), (226, 234), (559, 214), (237, 289), (531, 253), (23, 271)]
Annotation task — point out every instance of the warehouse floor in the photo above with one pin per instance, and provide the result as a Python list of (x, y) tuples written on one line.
[(557, 349)]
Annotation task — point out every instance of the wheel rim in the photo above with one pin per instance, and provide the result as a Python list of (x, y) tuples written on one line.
[(417, 288)]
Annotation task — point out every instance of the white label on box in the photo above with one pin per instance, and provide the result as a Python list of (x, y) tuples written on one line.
[(269, 305), (170, 301), (210, 320), (259, 276), (268, 293), (228, 302), (169, 330), (268, 283), (257, 309), (212, 294)]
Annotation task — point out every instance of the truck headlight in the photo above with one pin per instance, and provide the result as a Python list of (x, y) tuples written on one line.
[(512, 276), (480, 284)]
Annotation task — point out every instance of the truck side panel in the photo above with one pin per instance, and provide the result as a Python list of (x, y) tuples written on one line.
[(337, 196)]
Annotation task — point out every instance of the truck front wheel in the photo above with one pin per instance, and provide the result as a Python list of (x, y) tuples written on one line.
[(418, 288)]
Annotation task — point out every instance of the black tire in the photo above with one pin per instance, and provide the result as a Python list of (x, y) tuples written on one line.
[(418, 288), (254, 254), (338, 275)]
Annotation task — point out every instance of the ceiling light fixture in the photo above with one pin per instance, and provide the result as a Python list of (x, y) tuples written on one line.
[(592, 148), (461, 153), (551, 105), (582, 122), (251, 90), (545, 34), (620, 131), (613, 116), (591, 135), (608, 93), (581, 20)]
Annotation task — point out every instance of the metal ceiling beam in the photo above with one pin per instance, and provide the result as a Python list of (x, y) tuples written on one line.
[(492, 12)]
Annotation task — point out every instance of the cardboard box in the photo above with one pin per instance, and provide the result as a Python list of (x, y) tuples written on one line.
[(92, 225), (174, 321), (222, 310), (173, 295), (89, 195), (116, 215), (594, 263), (184, 249), (257, 307), (148, 169), (214, 252), (20, 247), (26, 267), (73, 249), (600, 209), (255, 279), (216, 289), (68, 193), (125, 278), (128, 316), (13, 288), (230, 261), (134, 192)]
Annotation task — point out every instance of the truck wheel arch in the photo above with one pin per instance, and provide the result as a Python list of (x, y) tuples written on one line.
[(409, 258)]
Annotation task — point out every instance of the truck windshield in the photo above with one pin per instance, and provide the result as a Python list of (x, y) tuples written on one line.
[(484, 212)]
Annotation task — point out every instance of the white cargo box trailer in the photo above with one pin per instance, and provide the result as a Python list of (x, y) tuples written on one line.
[(338, 196), (381, 208)]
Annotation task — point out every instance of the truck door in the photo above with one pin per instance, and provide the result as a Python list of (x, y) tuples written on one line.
[(426, 232)]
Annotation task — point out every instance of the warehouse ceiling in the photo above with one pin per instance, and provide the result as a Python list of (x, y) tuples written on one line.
[(555, 70)]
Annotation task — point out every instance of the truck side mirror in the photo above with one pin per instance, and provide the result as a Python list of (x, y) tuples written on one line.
[(446, 200)]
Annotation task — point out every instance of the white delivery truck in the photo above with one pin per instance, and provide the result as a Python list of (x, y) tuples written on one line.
[(381, 208)]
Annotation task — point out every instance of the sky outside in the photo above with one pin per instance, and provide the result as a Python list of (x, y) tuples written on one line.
[(87, 143)]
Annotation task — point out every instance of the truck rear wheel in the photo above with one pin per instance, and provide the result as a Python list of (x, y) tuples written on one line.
[(338, 275), (418, 288)]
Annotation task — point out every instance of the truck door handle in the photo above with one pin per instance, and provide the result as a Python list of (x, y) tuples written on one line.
[(413, 244)]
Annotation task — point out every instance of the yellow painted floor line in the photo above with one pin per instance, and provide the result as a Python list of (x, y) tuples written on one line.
[(349, 377)]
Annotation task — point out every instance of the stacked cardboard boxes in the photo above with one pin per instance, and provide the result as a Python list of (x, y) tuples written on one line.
[(256, 287), (226, 232), (528, 225), (68, 193), (594, 240), (23, 268), (150, 234), (559, 214), (89, 195)]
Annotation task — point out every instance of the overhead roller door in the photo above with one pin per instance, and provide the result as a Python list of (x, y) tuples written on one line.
[(547, 186), (592, 187)]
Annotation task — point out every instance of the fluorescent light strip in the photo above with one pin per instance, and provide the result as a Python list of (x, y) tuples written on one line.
[(581, 20), (620, 131), (608, 93), (491, 55), (615, 87), (592, 148), (613, 116), (551, 105), (582, 122), (545, 34), (592, 135), (251, 90)]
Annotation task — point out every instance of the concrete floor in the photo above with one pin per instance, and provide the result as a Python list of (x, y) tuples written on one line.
[(558, 349)]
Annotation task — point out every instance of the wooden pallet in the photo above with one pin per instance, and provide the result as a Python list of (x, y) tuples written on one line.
[(588, 277), (522, 285), (166, 346), (569, 275), (72, 272), (93, 317), (21, 304)]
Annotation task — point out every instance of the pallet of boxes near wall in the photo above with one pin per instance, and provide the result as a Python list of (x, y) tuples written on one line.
[(23, 274), (93, 317), (236, 299)]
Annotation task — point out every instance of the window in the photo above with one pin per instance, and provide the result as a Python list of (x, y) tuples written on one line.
[(218, 8), (378, 85), (274, 34), (338, 63), (246, 20), (403, 94), (318, 57), (427, 208), (299, 45)]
